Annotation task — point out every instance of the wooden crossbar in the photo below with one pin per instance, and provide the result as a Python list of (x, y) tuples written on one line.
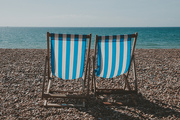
[(64, 96), (87, 36), (114, 91), (63, 105), (134, 35), (116, 103), (63, 91)]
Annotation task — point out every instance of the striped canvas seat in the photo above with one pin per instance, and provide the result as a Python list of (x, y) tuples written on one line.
[(114, 54), (68, 55), (68, 60)]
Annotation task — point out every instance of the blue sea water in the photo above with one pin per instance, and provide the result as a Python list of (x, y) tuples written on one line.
[(35, 37)]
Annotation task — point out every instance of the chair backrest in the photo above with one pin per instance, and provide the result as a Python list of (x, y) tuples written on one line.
[(113, 55), (68, 55)]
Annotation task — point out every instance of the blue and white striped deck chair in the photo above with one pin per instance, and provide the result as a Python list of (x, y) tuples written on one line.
[(114, 56), (68, 53)]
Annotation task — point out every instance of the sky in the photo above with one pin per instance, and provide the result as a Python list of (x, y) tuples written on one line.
[(90, 13)]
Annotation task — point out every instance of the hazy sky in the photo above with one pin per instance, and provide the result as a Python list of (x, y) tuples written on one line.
[(90, 13)]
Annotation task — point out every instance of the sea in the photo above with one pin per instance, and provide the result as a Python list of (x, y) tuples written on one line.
[(35, 37)]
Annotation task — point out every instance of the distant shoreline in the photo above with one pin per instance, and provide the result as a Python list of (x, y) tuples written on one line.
[(86, 27)]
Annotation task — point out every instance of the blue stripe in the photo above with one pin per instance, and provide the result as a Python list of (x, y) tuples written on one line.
[(82, 56), (121, 55), (106, 56), (113, 56), (113, 65), (99, 58), (68, 44), (52, 53), (75, 56), (60, 50), (128, 53)]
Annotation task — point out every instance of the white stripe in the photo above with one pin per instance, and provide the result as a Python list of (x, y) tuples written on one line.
[(117, 55), (56, 54), (102, 55), (64, 56), (71, 57), (110, 57), (79, 56), (124, 54)]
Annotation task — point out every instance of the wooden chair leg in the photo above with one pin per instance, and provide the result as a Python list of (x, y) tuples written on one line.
[(134, 71), (93, 74), (94, 85), (44, 78), (125, 86), (88, 78), (48, 88), (126, 82), (43, 89)]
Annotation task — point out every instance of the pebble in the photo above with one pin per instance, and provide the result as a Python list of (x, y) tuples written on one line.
[(21, 76)]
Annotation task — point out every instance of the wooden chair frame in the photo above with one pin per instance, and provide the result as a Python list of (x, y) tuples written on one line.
[(48, 93), (116, 91)]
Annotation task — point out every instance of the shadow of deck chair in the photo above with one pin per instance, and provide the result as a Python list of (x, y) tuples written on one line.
[(114, 57), (69, 61)]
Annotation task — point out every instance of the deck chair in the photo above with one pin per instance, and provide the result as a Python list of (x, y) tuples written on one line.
[(114, 57), (68, 54)]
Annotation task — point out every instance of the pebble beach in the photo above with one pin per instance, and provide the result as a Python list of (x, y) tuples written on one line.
[(158, 76)]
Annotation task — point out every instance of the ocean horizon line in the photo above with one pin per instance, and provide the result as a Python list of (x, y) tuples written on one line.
[(89, 27)]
